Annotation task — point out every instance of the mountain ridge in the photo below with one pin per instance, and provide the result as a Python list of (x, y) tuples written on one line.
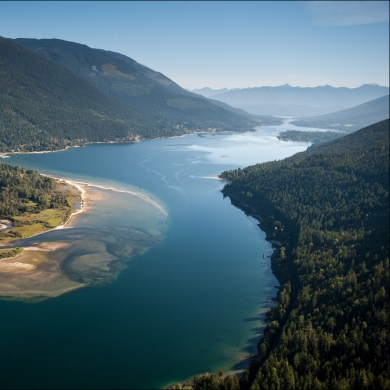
[(46, 105), (142, 88), (351, 119), (320, 100)]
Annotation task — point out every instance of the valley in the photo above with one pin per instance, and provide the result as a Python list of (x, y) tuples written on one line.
[(194, 195)]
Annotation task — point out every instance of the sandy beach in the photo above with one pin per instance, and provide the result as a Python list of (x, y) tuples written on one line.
[(33, 275), (85, 195), (83, 201)]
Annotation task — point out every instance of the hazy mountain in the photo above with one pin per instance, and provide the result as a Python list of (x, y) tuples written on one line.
[(350, 119), (289, 110), (142, 89), (287, 100), (209, 92)]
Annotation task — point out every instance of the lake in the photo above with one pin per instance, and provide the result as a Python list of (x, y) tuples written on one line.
[(188, 301)]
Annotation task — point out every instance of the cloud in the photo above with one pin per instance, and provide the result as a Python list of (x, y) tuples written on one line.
[(348, 13)]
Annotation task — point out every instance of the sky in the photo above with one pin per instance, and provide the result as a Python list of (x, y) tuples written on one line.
[(234, 44)]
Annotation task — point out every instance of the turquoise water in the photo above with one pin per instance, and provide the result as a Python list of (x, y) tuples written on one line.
[(190, 304)]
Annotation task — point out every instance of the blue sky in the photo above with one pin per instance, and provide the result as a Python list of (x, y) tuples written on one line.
[(224, 44)]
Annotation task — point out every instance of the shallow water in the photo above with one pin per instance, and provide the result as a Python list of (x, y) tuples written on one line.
[(190, 304)]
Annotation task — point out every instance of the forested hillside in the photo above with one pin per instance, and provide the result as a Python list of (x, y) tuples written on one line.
[(45, 106), (153, 96), (352, 119), (329, 207)]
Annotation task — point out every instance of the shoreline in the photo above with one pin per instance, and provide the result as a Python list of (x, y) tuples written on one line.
[(84, 202), (136, 139), (275, 244), (84, 197), (139, 138)]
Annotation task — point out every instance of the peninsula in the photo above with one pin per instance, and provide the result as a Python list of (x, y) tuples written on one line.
[(32, 204)]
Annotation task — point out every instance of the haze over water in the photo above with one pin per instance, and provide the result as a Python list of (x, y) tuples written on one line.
[(189, 305)]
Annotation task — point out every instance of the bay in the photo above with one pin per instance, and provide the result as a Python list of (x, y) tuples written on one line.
[(191, 303)]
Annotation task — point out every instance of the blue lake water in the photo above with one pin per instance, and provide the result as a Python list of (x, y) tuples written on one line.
[(190, 304)]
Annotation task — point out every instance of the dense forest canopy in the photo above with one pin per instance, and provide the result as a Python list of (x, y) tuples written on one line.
[(309, 136), (25, 190), (45, 106), (329, 207)]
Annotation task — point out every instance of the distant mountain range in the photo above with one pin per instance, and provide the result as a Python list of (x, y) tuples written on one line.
[(351, 119), (209, 92), (286, 100)]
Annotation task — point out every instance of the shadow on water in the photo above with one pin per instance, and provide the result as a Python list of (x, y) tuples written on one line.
[(250, 349)]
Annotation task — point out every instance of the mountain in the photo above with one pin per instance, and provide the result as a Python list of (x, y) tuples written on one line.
[(351, 119), (158, 77), (45, 106), (209, 92), (329, 209), (172, 86), (150, 93), (290, 110), (297, 101)]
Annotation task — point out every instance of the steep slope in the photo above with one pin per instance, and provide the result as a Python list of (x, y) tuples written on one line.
[(140, 88), (350, 119), (45, 106), (158, 77), (329, 206)]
